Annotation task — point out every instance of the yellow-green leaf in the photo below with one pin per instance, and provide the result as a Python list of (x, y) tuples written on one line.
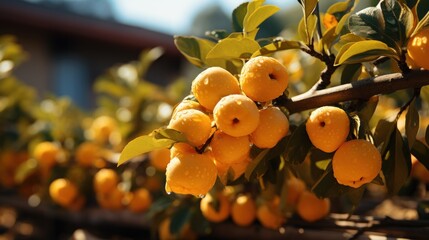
[(257, 17), (234, 48), (194, 49), (141, 145), (363, 51)]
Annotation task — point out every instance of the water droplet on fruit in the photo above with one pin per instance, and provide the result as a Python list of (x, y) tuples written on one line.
[(168, 193), (201, 195)]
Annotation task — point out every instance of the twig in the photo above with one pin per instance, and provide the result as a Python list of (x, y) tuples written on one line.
[(359, 90)]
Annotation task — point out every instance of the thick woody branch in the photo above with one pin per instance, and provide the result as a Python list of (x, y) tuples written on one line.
[(359, 90)]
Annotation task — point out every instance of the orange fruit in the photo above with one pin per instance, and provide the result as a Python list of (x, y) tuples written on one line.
[(328, 128), (46, 153), (159, 158), (181, 148), (194, 124), (356, 162), (212, 84), (87, 154), (105, 180), (329, 21), (113, 200), (228, 149), (141, 200), (191, 173), (243, 210), (212, 213), (311, 208), (188, 104), (263, 78), (102, 128), (419, 171), (237, 169), (418, 48), (273, 126), (63, 191), (236, 115), (184, 233), (269, 215), (295, 187)]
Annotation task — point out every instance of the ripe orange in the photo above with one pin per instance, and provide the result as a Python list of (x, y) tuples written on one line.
[(269, 214), (328, 128), (311, 208), (194, 124), (184, 233), (263, 78), (187, 104), (295, 187), (243, 211), (160, 158), (191, 173), (63, 191), (113, 200), (273, 126), (419, 171), (213, 214), (181, 148), (228, 149), (418, 48), (47, 153), (329, 21), (141, 200), (102, 128), (236, 115), (212, 84), (87, 154), (105, 180), (356, 162)]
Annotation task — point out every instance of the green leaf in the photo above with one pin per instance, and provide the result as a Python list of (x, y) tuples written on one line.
[(383, 133), (309, 6), (350, 72), (369, 24), (253, 19), (298, 145), (194, 49), (363, 51), (423, 23), (412, 123), (398, 20), (397, 164), (234, 47), (327, 186), (158, 139), (421, 152), (238, 15), (253, 165), (365, 113), (307, 28), (180, 217), (279, 46)]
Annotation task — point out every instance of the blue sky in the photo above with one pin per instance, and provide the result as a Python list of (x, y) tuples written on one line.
[(172, 16)]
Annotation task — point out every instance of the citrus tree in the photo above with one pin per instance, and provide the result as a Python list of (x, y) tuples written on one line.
[(253, 118)]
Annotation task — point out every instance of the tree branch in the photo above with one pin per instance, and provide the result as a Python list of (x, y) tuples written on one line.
[(362, 89)]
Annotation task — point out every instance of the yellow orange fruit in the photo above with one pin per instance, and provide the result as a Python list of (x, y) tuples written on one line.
[(273, 126), (269, 215), (295, 187), (188, 104), (63, 191), (263, 78), (141, 200), (159, 158), (47, 153), (228, 149), (311, 208), (10, 161), (418, 48), (113, 200), (181, 148), (191, 173), (215, 209), (102, 128), (328, 128), (87, 154), (243, 210), (356, 162), (105, 181), (194, 124), (329, 21), (236, 115), (419, 171), (212, 84)]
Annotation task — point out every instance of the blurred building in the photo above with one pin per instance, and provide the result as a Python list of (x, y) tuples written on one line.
[(71, 43)]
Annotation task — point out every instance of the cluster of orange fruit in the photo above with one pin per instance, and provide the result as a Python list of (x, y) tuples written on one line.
[(229, 116), (355, 162), (244, 209)]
